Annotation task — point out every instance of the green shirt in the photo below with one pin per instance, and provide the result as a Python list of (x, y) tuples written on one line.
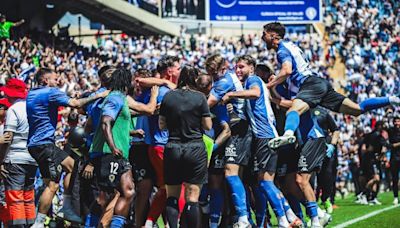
[(5, 29), (120, 131)]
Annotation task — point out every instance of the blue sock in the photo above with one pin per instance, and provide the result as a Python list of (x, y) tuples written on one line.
[(216, 204), (248, 206), (238, 194), (91, 221), (312, 209), (272, 193), (261, 206), (374, 103), (292, 121), (296, 207), (203, 194), (117, 221)]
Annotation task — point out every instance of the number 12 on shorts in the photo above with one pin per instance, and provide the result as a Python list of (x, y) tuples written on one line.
[(114, 168)]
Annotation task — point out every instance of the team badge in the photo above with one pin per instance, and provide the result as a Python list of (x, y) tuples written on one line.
[(111, 178), (59, 168)]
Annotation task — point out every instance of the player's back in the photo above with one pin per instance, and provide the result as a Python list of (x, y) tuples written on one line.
[(288, 51)]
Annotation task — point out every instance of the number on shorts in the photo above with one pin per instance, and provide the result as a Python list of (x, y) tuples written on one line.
[(114, 168)]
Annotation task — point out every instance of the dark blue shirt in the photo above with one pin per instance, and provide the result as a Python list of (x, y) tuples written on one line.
[(42, 109), (93, 110), (160, 137)]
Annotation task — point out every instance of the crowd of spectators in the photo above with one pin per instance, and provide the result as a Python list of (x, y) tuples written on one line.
[(364, 34)]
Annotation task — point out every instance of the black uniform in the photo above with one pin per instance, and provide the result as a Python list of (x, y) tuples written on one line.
[(394, 137), (370, 163)]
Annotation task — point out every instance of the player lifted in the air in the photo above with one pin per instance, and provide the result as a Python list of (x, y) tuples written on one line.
[(311, 90)]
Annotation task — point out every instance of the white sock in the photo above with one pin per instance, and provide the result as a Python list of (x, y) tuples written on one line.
[(40, 218), (283, 222), (243, 219), (315, 221), (393, 99), (289, 133), (149, 224), (290, 215), (321, 213)]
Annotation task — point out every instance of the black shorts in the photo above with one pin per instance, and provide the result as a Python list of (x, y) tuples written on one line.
[(141, 165), (238, 146), (371, 169), (49, 158), (312, 155), (109, 170), (264, 159), (288, 158), (217, 164), (185, 163), (318, 91)]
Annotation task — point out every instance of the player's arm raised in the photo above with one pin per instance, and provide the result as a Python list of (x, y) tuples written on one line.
[(146, 109)]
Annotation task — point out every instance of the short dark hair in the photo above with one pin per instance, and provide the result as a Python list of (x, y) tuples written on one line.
[(143, 73), (264, 68), (277, 27), (248, 59), (165, 62), (188, 77), (41, 73), (121, 80), (203, 81), (105, 74)]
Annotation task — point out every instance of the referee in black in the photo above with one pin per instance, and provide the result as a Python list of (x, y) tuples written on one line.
[(185, 113)]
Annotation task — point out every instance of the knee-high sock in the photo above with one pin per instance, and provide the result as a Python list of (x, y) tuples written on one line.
[(238, 195), (158, 205), (261, 206), (374, 103), (216, 205), (296, 207), (292, 121), (273, 195), (248, 206), (312, 209), (172, 212), (191, 216)]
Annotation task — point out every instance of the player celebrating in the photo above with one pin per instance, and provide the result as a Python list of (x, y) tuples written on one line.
[(311, 89), (262, 119), (41, 105), (112, 141), (237, 151)]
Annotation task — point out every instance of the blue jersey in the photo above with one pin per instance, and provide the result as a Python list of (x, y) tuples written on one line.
[(262, 119), (220, 116), (42, 109), (229, 83), (93, 110), (142, 122), (160, 137), (309, 127), (289, 52)]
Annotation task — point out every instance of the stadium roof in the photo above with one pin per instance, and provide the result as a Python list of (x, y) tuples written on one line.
[(120, 15)]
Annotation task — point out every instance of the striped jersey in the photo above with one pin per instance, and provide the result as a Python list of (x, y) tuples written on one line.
[(259, 111), (229, 83)]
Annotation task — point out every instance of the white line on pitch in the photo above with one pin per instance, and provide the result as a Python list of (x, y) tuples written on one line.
[(369, 215)]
